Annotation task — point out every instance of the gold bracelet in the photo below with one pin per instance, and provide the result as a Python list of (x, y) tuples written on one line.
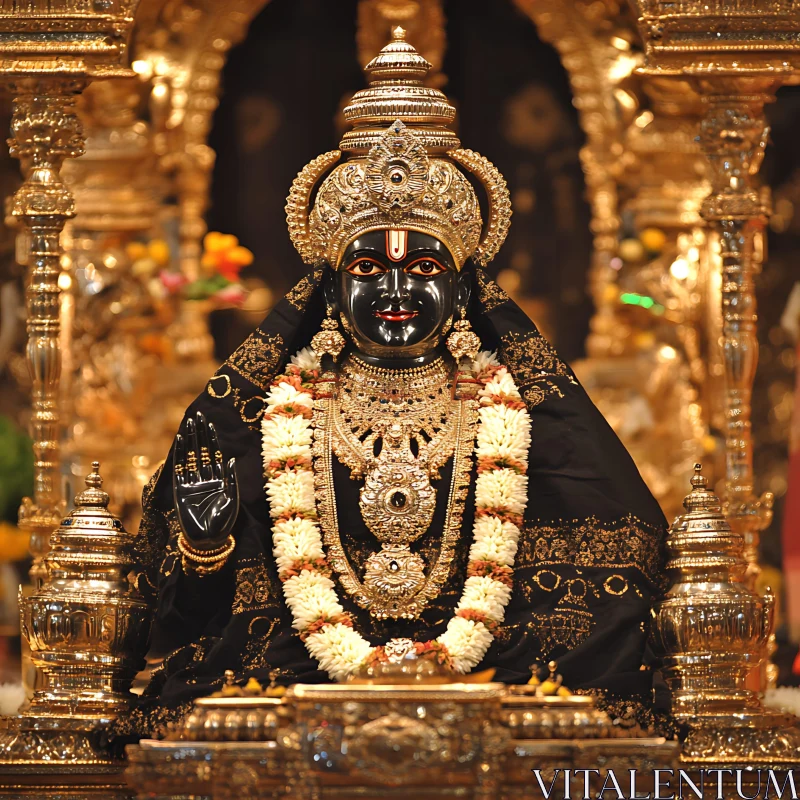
[(204, 562)]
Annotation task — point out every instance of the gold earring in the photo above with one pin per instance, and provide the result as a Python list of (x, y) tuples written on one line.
[(463, 341), (328, 340)]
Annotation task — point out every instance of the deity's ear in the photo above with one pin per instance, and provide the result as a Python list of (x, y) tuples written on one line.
[(464, 288), (329, 289)]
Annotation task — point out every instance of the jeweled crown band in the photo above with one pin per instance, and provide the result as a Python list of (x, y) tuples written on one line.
[(406, 179)]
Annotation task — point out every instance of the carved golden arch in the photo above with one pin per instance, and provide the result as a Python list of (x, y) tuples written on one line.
[(597, 62), (180, 48)]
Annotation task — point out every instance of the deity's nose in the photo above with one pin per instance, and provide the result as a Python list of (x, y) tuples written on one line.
[(396, 290)]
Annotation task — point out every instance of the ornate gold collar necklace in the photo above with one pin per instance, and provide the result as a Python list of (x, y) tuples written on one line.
[(394, 429)]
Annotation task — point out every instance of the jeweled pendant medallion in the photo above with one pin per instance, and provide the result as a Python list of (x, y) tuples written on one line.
[(393, 577), (397, 500)]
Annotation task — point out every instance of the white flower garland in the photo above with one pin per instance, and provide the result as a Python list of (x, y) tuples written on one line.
[(502, 441)]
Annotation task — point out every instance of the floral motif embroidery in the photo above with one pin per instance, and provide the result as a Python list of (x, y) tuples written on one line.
[(625, 542), (534, 363), (303, 289), (490, 294), (254, 589), (251, 409), (561, 628), (256, 653), (257, 357)]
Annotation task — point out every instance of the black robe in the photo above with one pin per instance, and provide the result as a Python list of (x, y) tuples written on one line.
[(588, 568)]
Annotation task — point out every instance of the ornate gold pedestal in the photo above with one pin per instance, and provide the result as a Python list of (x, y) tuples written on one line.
[(87, 629), (428, 741), (712, 629)]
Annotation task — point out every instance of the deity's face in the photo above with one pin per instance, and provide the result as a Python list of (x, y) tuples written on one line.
[(398, 292)]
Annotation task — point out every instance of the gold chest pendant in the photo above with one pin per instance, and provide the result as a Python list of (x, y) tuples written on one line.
[(372, 433), (397, 505)]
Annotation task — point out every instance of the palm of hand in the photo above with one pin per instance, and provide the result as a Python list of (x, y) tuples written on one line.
[(205, 489)]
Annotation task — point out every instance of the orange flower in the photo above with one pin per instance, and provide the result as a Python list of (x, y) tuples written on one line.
[(223, 255)]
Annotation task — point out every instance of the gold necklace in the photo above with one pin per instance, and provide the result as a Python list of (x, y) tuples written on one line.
[(371, 423)]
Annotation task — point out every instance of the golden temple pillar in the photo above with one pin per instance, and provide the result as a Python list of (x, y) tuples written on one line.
[(733, 135), (735, 55), (45, 131), (49, 51)]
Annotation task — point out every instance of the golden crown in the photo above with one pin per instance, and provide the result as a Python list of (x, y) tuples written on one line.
[(401, 172)]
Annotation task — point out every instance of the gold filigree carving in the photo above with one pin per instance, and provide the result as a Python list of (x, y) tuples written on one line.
[(298, 202), (345, 207), (499, 203), (397, 170), (625, 542), (258, 357), (534, 364), (490, 294)]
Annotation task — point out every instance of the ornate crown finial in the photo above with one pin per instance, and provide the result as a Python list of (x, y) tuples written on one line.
[(402, 171), (396, 91)]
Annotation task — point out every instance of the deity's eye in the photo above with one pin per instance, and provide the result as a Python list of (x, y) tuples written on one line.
[(365, 266), (426, 267)]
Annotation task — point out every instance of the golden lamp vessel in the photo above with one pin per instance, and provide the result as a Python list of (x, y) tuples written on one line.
[(712, 630), (87, 629)]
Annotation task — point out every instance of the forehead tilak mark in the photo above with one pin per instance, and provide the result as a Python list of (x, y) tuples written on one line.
[(396, 244)]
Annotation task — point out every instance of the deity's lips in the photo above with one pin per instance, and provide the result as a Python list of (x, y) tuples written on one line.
[(396, 316)]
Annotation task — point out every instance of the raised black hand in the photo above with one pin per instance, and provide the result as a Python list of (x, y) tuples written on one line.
[(206, 490)]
